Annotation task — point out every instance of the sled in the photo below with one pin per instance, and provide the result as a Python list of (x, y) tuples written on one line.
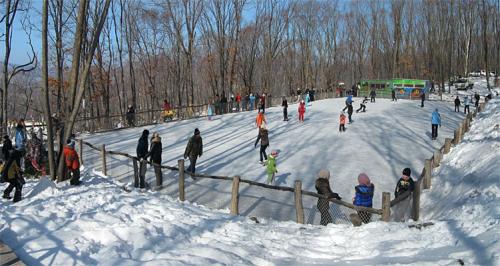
[(168, 115)]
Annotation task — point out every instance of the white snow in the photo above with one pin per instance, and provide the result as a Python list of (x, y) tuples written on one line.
[(100, 223)]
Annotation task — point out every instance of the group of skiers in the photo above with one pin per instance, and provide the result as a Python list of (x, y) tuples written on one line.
[(363, 195)]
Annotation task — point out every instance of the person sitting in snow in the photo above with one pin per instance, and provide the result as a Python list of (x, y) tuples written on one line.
[(72, 162), (323, 188), (271, 167), (362, 105), (11, 173), (302, 110), (364, 196)]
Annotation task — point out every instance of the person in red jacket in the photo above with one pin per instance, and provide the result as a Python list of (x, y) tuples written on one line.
[(302, 110), (238, 102), (72, 162)]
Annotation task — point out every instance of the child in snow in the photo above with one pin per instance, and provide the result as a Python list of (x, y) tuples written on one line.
[(11, 173), (405, 184), (302, 110), (210, 112), (364, 196), (308, 99), (322, 185), (261, 119), (362, 106), (264, 142), (342, 122), (271, 167)]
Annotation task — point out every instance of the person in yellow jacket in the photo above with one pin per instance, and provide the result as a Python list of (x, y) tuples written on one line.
[(11, 173)]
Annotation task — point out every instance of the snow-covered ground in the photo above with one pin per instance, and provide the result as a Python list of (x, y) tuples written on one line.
[(99, 223)]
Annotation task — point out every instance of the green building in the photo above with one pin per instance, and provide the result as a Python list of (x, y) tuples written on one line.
[(404, 88)]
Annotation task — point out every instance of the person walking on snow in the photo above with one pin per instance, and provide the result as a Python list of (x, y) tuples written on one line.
[(436, 120), (261, 119), (348, 101), (457, 104), (302, 110), (322, 185), (393, 95), (284, 104), (466, 105), (72, 163), (422, 97), (194, 149), (372, 95), (264, 142), (342, 122), (154, 155), (477, 97), (362, 105), (349, 112), (271, 167)]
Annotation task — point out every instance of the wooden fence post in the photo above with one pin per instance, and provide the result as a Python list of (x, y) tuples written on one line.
[(182, 195), (447, 145), (427, 174), (136, 172), (103, 156), (456, 138), (462, 130), (80, 144), (415, 213), (437, 158), (235, 195), (386, 206), (299, 209)]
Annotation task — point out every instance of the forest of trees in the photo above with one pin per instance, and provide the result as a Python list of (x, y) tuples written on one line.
[(103, 55)]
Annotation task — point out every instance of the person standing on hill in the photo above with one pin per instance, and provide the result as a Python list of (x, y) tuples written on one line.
[(142, 151), (284, 104), (466, 105), (477, 97), (302, 110), (154, 155), (422, 97), (322, 185), (194, 149), (264, 142), (393, 95), (436, 120), (372, 95), (130, 116), (349, 113), (251, 99), (72, 163), (342, 122), (457, 104)]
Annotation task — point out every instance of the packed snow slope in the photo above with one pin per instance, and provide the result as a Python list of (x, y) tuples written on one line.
[(381, 142), (98, 223)]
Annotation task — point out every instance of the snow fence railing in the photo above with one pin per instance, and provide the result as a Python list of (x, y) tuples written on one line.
[(113, 122), (425, 179), (139, 181)]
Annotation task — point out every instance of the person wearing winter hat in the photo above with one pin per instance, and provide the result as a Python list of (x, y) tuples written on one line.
[(194, 149), (405, 184), (142, 151), (72, 162), (271, 167), (364, 196), (11, 173), (342, 122), (323, 188), (263, 136), (154, 155)]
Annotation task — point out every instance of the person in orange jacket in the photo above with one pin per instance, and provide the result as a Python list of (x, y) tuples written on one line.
[(342, 122), (302, 110), (260, 119), (72, 162)]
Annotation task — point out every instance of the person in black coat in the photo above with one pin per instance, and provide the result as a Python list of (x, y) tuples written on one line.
[(362, 105), (7, 147), (349, 112), (393, 95), (422, 97), (130, 116), (477, 97), (405, 183), (323, 188), (194, 149), (154, 156), (284, 104), (457, 104), (142, 153)]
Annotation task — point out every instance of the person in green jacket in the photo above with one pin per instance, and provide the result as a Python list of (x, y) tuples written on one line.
[(271, 167)]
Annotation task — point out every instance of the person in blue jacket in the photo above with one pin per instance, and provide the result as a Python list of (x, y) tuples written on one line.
[(348, 101), (435, 120), (466, 104), (364, 196), (252, 101)]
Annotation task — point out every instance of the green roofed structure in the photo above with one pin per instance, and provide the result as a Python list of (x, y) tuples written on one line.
[(404, 88)]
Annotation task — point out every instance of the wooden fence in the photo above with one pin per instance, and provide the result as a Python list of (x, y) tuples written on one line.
[(425, 179), (298, 192)]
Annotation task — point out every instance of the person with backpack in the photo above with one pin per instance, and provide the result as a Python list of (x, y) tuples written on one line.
[(11, 173), (72, 162), (364, 196), (457, 104), (435, 121), (284, 104), (263, 136), (194, 149), (322, 186)]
